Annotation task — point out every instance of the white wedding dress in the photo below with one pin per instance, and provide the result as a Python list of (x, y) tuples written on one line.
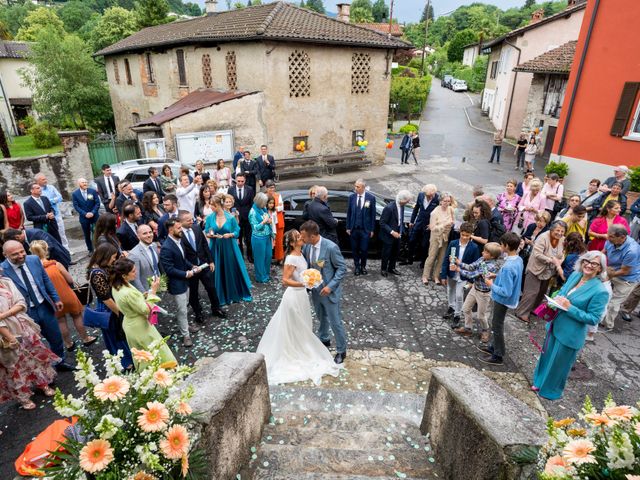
[(291, 350)]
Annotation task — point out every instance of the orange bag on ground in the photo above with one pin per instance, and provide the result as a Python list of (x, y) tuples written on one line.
[(32, 458)]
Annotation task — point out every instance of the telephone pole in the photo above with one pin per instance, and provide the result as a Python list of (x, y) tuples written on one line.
[(426, 32)]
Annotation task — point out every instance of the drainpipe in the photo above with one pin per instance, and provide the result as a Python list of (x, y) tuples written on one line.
[(574, 91), (513, 89)]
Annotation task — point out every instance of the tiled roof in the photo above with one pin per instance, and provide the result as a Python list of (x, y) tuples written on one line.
[(396, 29), (196, 100), (277, 21), (13, 49), (558, 60)]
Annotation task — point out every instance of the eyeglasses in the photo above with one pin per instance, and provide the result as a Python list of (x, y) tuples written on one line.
[(593, 264)]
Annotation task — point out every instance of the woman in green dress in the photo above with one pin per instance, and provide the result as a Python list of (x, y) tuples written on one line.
[(136, 307)]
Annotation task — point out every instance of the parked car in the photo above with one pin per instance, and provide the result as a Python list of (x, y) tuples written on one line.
[(295, 198), (137, 171), (459, 86), (446, 81)]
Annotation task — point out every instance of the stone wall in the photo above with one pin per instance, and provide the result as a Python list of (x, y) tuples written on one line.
[(534, 113)]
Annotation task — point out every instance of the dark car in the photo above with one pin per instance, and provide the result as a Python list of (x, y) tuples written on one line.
[(295, 198), (446, 81)]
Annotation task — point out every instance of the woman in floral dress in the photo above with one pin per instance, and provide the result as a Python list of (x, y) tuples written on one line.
[(508, 205)]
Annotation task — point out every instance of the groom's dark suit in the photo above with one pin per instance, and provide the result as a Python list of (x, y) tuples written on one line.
[(329, 261)]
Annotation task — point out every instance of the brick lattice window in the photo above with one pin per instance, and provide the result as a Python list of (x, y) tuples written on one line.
[(116, 72), (207, 79), (232, 76), (182, 71), (360, 72), (127, 71), (299, 74)]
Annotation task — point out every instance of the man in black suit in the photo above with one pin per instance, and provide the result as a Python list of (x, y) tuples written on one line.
[(320, 213), (38, 209), (170, 204), (126, 195), (178, 270), (266, 165), (250, 170), (56, 251), (391, 230), (419, 235), (107, 185), (243, 196), (152, 184), (128, 231), (197, 251)]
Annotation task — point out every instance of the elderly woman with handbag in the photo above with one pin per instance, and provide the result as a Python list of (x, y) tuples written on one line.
[(440, 224), (24, 360), (582, 301)]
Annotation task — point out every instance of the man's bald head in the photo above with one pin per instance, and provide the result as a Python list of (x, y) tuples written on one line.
[(145, 234), (14, 251)]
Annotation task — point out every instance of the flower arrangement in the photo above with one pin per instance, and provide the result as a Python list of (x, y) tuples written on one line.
[(130, 426), (311, 278), (164, 281), (601, 445)]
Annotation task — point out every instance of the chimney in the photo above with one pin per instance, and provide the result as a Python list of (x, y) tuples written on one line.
[(344, 10), (537, 16), (210, 6)]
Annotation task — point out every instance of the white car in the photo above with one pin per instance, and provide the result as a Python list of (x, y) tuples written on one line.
[(137, 171), (459, 86)]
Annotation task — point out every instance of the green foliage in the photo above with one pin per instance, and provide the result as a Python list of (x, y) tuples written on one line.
[(23, 146), (410, 94), (75, 14), (634, 177), (427, 14), (479, 73), (67, 82), (416, 63), (408, 128), (28, 122), (456, 47), (115, 24), (405, 72), (414, 34), (44, 135), (192, 9), (366, 4), (561, 168), (380, 11), (315, 5), (13, 16), (152, 12), (238, 5), (36, 21), (361, 15)]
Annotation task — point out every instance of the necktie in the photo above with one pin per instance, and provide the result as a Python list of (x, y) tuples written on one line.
[(109, 187), (27, 284), (314, 254), (84, 194), (240, 194), (192, 241), (359, 201), (154, 260), (156, 184)]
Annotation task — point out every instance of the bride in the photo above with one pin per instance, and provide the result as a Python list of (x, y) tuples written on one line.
[(291, 350)]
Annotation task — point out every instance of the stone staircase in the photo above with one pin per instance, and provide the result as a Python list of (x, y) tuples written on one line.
[(325, 434)]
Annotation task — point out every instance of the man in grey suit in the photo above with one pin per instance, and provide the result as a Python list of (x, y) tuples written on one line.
[(145, 256), (325, 256)]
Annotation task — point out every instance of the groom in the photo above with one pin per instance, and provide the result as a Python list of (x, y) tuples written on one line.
[(325, 256)]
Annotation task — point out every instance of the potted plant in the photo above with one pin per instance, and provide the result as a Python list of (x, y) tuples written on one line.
[(560, 168), (634, 191)]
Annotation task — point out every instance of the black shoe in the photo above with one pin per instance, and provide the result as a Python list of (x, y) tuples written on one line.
[(488, 349), (384, 273), (456, 321), (625, 316), (491, 359), (339, 358), (219, 313), (327, 343), (199, 320), (71, 347), (395, 272), (363, 271), (490, 161), (357, 272), (64, 367), (449, 314)]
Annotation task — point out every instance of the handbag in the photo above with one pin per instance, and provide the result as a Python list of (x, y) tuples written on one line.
[(545, 312), (83, 292), (93, 318)]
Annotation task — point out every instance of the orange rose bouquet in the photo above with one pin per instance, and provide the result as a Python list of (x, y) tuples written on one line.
[(311, 278)]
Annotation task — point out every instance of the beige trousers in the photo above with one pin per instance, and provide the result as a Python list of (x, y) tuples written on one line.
[(483, 300), (621, 290), (434, 260)]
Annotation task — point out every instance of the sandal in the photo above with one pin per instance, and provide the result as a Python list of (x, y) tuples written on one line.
[(48, 391), (91, 341), (425, 280), (524, 320), (28, 405)]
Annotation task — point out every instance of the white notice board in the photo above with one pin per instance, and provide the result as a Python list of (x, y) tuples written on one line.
[(205, 146)]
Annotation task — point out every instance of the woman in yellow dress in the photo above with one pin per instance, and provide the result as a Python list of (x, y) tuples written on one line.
[(136, 307)]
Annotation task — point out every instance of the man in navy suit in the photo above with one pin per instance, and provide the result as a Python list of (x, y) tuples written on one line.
[(251, 171), (40, 295), (419, 234), (152, 184), (391, 230), (319, 212), (243, 197), (107, 186), (179, 270), (128, 231), (38, 209), (86, 202), (266, 165), (56, 251), (170, 204), (126, 195), (361, 222)]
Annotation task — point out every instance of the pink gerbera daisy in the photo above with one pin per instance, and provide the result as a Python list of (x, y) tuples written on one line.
[(96, 455), (175, 443), (153, 418), (579, 452), (112, 388)]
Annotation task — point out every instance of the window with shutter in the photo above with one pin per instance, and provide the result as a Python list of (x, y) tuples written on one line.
[(182, 73), (623, 113), (127, 71), (148, 63), (116, 72)]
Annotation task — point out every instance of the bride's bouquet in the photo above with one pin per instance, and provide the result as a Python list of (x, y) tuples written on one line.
[(311, 278)]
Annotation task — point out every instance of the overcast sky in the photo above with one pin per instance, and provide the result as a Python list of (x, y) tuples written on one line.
[(410, 10)]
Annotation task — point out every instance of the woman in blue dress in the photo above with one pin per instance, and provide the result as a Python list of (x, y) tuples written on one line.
[(263, 235), (585, 298), (231, 277)]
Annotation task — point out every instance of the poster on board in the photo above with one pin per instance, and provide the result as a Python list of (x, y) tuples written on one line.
[(206, 146), (155, 148)]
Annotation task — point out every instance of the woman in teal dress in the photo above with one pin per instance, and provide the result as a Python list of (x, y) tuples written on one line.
[(231, 277), (585, 298), (262, 237)]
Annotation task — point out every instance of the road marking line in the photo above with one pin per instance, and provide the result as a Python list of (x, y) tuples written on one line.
[(469, 97)]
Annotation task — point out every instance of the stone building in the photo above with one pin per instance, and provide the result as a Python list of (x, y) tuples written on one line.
[(546, 94), (274, 74)]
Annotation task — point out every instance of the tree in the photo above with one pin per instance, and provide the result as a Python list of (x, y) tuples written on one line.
[(361, 15), (366, 4), (426, 14), (75, 14), (529, 3), (192, 9), (380, 11), (238, 5), (67, 84), (37, 20), (152, 12), (12, 16), (456, 47), (115, 24), (414, 34), (315, 5), (409, 94)]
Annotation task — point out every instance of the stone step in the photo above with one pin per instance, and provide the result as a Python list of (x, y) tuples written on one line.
[(268, 475), (408, 406), (292, 462)]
